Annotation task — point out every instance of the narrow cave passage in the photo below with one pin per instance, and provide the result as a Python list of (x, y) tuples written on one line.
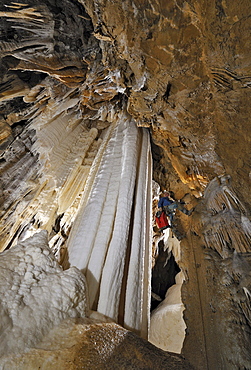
[(163, 274)]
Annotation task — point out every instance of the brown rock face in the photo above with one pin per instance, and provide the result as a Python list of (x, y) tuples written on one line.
[(190, 74), (92, 345), (180, 68)]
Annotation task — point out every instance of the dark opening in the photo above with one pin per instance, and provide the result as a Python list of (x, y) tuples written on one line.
[(163, 274)]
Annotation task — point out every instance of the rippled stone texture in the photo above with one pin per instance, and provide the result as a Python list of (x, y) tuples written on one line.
[(36, 294)]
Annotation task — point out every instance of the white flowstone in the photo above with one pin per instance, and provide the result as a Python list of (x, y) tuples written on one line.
[(110, 240), (36, 294), (137, 312), (167, 327)]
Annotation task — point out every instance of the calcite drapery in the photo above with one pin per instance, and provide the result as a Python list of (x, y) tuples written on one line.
[(111, 237), (228, 226)]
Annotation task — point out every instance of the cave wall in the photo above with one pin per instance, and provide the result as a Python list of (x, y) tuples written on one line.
[(190, 80), (53, 88), (181, 69), (190, 86)]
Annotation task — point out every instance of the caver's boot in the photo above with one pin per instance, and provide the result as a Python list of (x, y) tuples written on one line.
[(184, 210), (188, 212)]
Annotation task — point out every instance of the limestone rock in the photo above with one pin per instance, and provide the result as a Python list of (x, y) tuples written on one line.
[(86, 344)]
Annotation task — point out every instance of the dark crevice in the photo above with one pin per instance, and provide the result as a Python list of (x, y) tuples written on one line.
[(167, 92), (29, 47), (16, 234), (56, 226), (30, 77), (163, 274)]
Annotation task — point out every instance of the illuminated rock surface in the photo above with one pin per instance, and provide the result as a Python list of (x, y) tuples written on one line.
[(167, 327), (167, 330), (68, 72)]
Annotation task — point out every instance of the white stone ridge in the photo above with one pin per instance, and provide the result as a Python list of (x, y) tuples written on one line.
[(36, 294), (137, 312)]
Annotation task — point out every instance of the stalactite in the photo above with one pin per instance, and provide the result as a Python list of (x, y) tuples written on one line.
[(66, 78), (226, 226), (61, 137)]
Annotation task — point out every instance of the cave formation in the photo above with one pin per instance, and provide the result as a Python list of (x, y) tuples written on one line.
[(177, 75)]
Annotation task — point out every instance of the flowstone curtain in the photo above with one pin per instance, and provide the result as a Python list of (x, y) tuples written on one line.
[(111, 238)]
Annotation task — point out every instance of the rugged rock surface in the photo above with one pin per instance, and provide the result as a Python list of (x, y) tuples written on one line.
[(180, 68), (94, 345), (46, 321)]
